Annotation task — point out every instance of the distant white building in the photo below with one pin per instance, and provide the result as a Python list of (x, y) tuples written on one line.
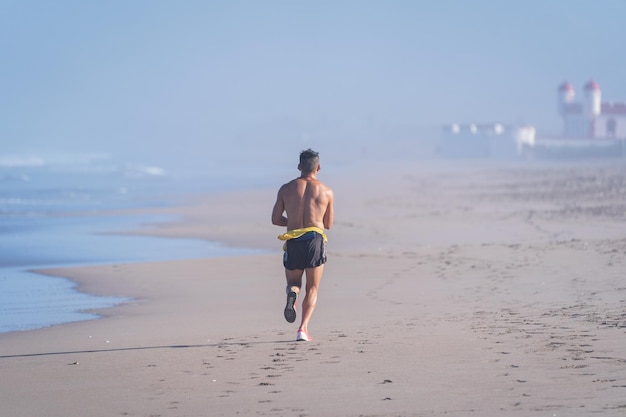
[(590, 118), (491, 140), (591, 127)]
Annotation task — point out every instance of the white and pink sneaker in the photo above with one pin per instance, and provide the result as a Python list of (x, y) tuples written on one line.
[(303, 336)]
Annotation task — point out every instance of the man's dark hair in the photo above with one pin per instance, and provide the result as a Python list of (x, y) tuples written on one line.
[(309, 160)]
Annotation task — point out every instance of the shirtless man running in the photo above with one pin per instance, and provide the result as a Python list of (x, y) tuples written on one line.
[(308, 204)]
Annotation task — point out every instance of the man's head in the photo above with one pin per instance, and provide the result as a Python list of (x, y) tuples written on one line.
[(309, 161)]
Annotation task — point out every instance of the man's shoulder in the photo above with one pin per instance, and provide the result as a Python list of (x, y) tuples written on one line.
[(329, 193), (298, 182), (287, 187), (326, 187), (289, 184)]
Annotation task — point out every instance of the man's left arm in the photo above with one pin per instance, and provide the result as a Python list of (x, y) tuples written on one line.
[(329, 214)]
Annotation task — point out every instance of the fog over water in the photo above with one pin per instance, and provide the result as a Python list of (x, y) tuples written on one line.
[(198, 84)]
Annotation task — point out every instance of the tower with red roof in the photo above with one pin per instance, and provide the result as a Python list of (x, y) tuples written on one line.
[(566, 96), (591, 118)]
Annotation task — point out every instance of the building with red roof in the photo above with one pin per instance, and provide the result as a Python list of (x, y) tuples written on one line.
[(591, 128), (590, 118)]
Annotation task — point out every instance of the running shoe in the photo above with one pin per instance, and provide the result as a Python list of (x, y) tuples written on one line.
[(303, 336), (290, 308)]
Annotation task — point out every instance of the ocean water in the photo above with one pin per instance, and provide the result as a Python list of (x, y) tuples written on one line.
[(55, 210)]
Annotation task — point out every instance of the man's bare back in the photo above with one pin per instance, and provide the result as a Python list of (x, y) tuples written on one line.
[(306, 201)]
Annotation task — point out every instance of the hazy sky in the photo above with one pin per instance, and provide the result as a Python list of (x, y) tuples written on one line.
[(155, 78)]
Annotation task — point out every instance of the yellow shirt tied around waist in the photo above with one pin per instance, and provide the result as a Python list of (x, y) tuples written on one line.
[(296, 233)]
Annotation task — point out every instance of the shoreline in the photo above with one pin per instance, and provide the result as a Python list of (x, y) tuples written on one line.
[(489, 291), (47, 302)]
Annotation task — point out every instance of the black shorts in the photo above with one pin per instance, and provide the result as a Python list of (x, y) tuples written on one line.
[(306, 251)]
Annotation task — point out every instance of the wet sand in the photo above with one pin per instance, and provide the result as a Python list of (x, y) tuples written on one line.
[(451, 289)]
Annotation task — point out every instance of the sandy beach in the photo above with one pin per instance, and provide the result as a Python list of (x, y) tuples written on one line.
[(456, 289)]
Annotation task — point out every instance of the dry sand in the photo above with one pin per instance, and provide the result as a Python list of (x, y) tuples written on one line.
[(491, 291)]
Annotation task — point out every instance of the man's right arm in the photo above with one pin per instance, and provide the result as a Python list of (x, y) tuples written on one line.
[(279, 208)]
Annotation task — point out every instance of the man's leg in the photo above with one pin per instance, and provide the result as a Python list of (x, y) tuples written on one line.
[(294, 279), (313, 278), (294, 282)]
